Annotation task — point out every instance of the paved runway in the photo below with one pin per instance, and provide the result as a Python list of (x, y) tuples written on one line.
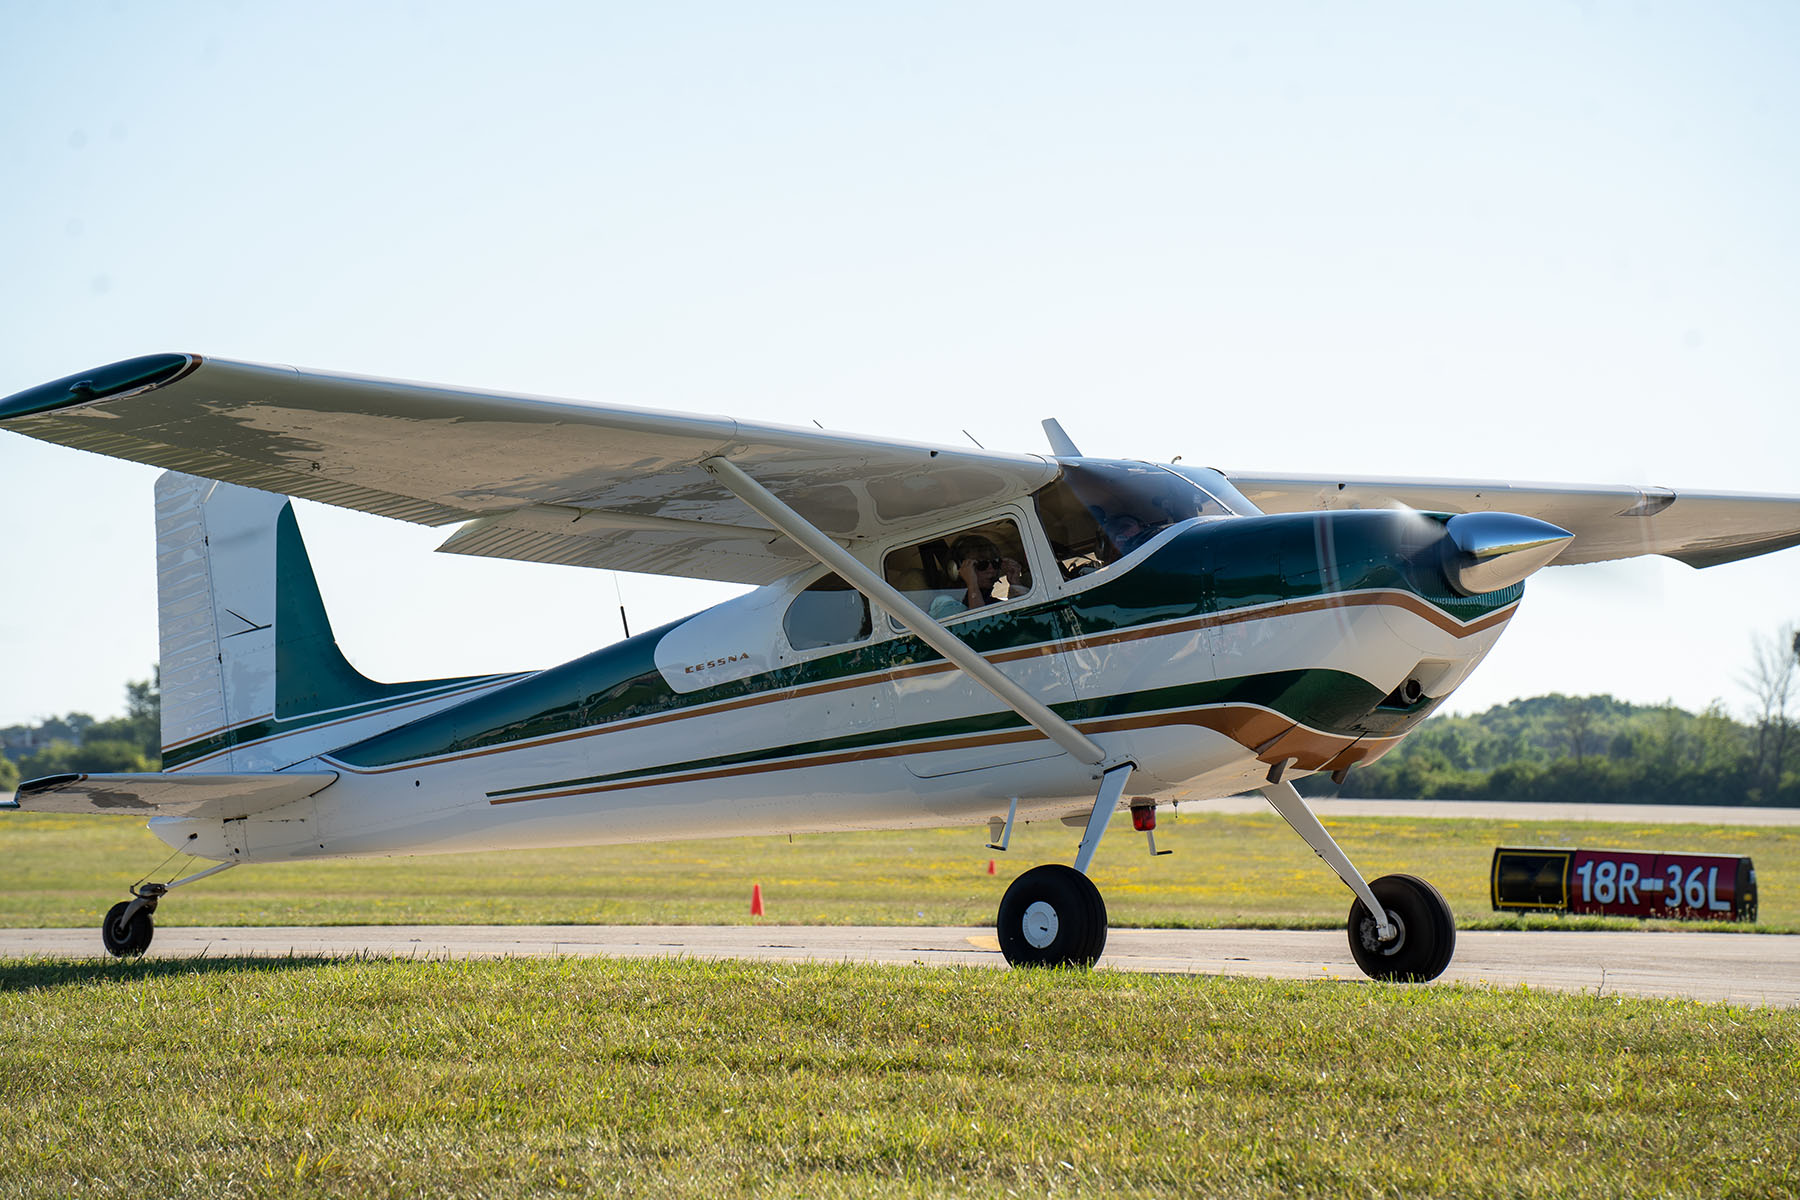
[(1747, 969), (1518, 810), (1741, 968)]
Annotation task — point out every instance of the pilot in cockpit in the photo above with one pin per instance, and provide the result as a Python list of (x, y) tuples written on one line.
[(1126, 532)]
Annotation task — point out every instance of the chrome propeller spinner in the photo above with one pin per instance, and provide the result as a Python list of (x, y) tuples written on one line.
[(1488, 551)]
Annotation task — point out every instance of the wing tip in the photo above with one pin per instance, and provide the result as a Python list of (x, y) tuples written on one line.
[(1718, 551), (124, 378)]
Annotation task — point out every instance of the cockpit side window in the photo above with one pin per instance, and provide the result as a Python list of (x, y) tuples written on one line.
[(972, 568), (1096, 513), (828, 613)]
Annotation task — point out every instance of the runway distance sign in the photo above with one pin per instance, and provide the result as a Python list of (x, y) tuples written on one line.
[(1624, 883)]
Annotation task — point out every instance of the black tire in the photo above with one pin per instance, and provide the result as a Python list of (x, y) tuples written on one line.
[(1427, 931), (127, 941), (1052, 916)]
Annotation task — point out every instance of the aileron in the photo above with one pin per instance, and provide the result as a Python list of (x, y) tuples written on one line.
[(437, 455)]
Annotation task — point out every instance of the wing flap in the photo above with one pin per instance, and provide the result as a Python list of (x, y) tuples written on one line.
[(164, 794), (631, 542), (1701, 529), (689, 556)]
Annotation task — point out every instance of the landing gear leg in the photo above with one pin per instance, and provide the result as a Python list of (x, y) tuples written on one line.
[(1400, 926), (129, 925), (1053, 916)]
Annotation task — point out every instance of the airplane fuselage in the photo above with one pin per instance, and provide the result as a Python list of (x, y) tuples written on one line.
[(1222, 648)]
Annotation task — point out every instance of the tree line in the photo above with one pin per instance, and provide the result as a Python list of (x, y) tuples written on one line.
[(1595, 749), (1591, 750), (79, 744)]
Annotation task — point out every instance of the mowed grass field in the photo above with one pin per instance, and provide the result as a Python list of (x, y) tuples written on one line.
[(612, 1077), (1226, 870), (524, 1077)]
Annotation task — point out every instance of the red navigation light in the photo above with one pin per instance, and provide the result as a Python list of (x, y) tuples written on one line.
[(1143, 817)]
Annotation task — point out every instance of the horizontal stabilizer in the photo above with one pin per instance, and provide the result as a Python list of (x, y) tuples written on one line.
[(220, 797)]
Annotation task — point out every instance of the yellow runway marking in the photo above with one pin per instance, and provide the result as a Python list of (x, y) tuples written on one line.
[(984, 941)]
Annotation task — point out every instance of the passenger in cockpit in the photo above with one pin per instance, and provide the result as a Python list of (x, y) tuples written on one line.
[(980, 567)]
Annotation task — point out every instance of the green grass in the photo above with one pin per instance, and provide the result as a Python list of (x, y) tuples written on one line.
[(1245, 871), (611, 1077)]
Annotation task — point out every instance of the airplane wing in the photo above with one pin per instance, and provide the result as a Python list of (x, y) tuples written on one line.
[(1701, 529), (536, 479), (169, 795)]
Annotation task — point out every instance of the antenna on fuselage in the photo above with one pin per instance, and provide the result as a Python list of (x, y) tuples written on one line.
[(1060, 445), (620, 593)]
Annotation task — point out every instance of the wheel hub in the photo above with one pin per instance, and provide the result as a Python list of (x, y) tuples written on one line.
[(1040, 924), (1370, 932)]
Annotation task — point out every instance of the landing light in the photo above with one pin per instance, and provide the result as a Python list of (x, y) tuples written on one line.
[(1405, 696)]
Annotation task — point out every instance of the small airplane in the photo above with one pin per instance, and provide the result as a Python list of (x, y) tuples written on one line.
[(938, 635)]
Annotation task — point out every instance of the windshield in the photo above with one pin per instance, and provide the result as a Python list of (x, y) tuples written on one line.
[(1096, 513), (1219, 488)]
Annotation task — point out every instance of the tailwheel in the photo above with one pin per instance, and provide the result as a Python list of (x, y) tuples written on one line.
[(1425, 937), (128, 927), (1052, 916), (127, 933)]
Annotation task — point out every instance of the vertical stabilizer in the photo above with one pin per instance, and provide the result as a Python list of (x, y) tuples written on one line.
[(252, 677)]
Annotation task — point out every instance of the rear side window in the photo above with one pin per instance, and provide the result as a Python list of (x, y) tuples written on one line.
[(828, 613)]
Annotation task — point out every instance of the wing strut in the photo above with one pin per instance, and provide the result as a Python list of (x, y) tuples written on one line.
[(891, 601)]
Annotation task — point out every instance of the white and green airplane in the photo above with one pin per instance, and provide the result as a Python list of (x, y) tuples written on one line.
[(939, 635)]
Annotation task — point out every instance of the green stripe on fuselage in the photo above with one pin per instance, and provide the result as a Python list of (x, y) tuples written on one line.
[(312, 676), (1212, 567), (1323, 695)]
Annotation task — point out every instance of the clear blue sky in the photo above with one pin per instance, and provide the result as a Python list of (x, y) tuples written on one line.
[(1527, 241)]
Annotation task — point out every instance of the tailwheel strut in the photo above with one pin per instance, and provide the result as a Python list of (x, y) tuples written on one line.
[(129, 925)]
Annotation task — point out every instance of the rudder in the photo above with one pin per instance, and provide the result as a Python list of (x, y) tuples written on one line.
[(215, 592)]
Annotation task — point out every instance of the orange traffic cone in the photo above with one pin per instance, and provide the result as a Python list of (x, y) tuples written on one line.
[(990, 866), (756, 900)]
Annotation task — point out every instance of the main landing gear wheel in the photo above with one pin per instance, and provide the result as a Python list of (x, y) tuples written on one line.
[(127, 939), (1427, 936), (1052, 916)]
